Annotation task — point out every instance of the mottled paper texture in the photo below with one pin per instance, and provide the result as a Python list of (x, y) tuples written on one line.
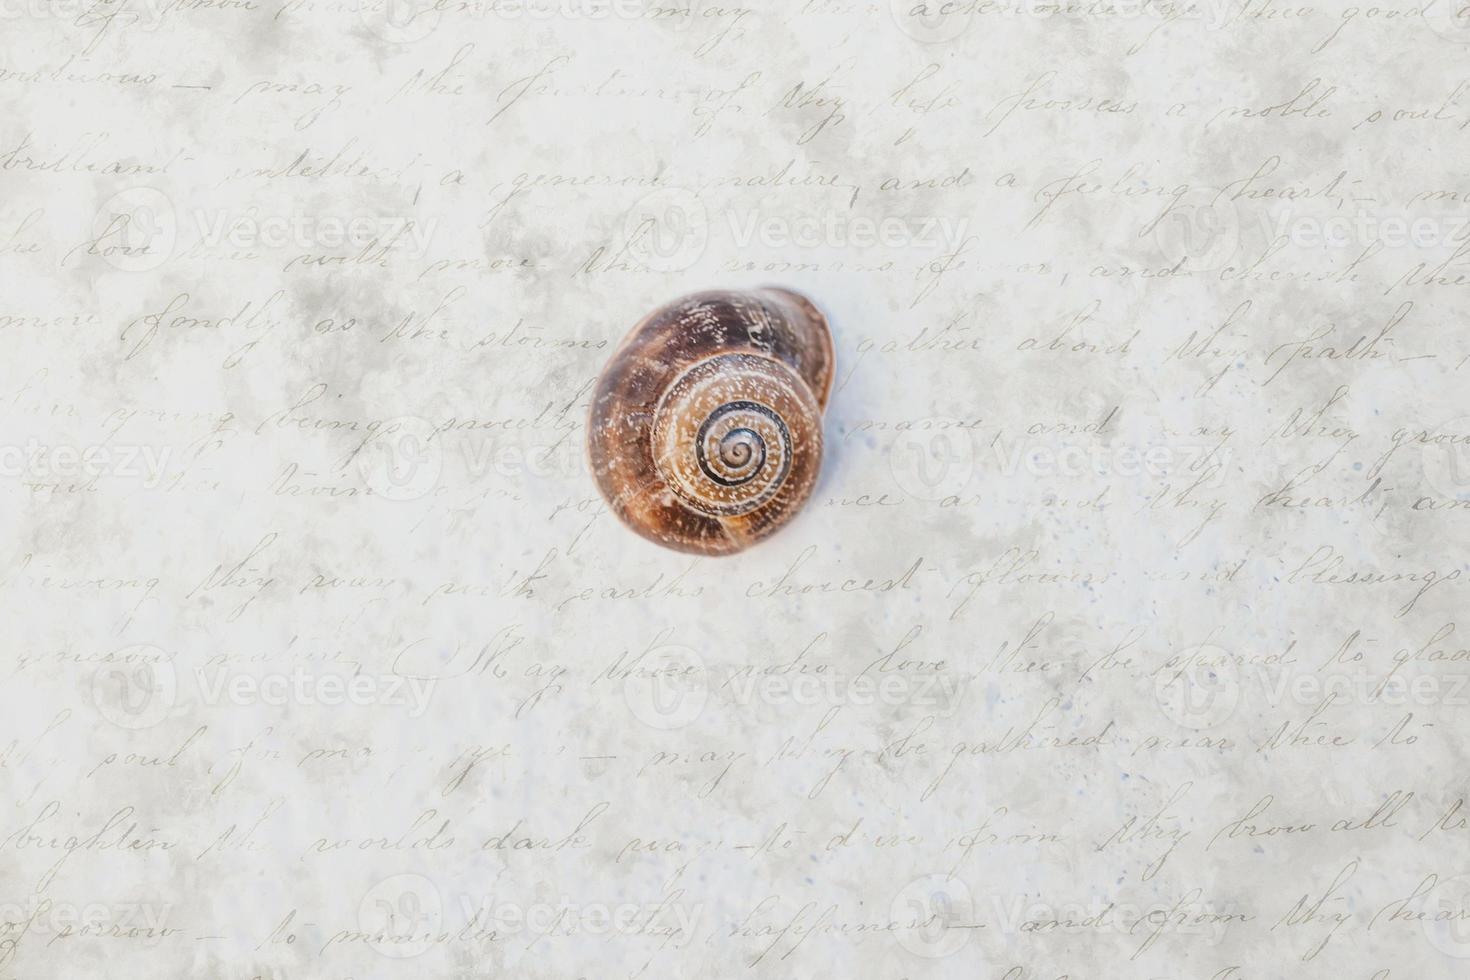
[(1119, 641)]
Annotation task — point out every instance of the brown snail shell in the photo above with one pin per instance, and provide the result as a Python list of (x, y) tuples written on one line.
[(706, 426)]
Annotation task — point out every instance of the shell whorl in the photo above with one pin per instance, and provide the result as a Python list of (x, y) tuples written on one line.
[(721, 436), (706, 428)]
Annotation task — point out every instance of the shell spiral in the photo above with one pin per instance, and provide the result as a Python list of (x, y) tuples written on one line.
[(706, 427)]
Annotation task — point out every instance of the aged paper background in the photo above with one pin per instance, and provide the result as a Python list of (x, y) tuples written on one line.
[(1120, 641)]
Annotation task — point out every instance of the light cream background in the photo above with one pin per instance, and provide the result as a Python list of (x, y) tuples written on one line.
[(1121, 640)]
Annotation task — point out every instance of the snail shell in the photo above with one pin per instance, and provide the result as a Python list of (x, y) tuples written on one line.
[(706, 427)]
